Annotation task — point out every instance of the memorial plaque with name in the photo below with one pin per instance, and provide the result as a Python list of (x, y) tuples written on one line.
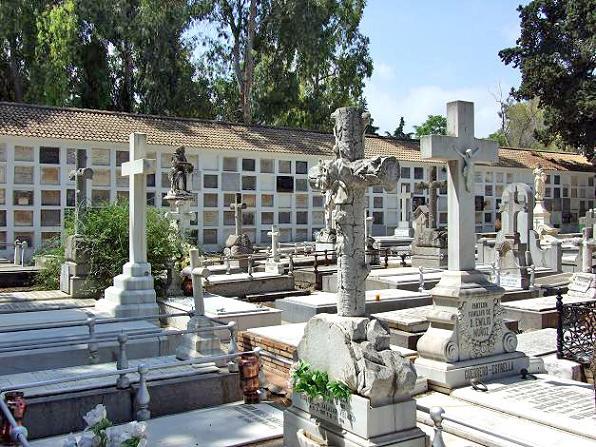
[(480, 325), (582, 282), (512, 281), (50, 176), (23, 175)]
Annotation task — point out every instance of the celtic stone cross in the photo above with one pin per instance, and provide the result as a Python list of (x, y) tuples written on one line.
[(347, 177)]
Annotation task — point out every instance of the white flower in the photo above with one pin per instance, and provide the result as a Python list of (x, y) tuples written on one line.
[(88, 439), (71, 441), (96, 415), (137, 429)]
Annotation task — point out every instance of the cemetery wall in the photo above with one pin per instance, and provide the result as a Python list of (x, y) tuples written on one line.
[(35, 192)]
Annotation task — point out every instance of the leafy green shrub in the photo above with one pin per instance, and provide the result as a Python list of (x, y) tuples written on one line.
[(105, 232), (315, 383), (48, 278)]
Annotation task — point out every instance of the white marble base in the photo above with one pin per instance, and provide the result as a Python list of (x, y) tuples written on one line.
[(200, 344), (322, 246), (276, 267), (354, 424), (133, 293), (455, 375), (404, 230)]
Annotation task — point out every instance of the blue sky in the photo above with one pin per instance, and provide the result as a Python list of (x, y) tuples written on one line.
[(429, 52)]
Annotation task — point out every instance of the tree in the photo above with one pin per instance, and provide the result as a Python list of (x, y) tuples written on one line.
[(434, 125), (399, 131), (282, 79), (555, 54)]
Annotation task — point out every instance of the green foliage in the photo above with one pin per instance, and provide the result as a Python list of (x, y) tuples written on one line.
[(105, 232), (99, 430), (555, 54), (315, 383), (152, 56), (399, 131), (434, 125), (48, 278), (500, 137)]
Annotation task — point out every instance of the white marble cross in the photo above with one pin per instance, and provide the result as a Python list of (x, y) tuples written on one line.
[(138, 168), (460, 150), (80, 175), (237, 207), (404, 197), (197, 272), (274, 233)]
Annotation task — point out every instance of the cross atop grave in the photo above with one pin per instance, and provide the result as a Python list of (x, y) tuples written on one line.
[(237, 207), (433, 186), (197, 273), (80, 175), (348, 176), (461, 150), (516, 199), (403, 206), (138, 168), (274, 233)]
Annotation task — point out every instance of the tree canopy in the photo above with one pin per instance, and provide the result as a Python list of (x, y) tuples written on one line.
[(434, 125), (556, 54), (257, 61)]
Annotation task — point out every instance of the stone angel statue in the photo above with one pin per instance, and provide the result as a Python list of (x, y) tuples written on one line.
[(539, 182), (179, 172)]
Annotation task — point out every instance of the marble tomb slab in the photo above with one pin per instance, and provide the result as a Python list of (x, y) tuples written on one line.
[(563, 404), (495, 424), (223, 426), (241, 284), (538, 343), (301, 308), (224, 309), (537, 313)]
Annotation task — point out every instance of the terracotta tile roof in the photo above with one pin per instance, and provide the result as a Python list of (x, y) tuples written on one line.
[(96, 125)]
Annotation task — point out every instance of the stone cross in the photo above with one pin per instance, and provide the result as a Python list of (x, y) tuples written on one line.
[(516, 205), (348, 176), (433, 186), (198, 272), (80, 175), (404, 197), (461, 151), (237, 207), (274, 233), (138, 168)]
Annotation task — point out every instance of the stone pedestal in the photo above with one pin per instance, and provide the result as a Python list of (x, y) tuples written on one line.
[(273, 266), (467, 338), (351, 423), (322, 246), (75, 270), (201, 344), (542, 223), (132, 294)]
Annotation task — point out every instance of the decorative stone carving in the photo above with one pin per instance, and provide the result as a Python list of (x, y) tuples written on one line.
[(541, 221), (467, 338), (179, 172)]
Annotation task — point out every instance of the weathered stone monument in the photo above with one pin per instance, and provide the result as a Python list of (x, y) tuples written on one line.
[(75, 269), (429, 248), (327, 237), (273, 263), (541, 220), (349, 346), (467, 338), (517, 205), (205, 342), (238, 244), (133, 293), (583, 283), (404, 227), (179, 214), (512, 251)]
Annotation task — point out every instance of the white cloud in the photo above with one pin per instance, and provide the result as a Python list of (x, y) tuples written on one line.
[(384, 71), (419, 102)]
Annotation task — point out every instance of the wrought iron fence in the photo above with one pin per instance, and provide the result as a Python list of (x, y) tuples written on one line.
[(576, 330)]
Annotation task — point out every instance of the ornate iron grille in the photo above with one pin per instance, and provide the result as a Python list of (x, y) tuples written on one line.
[(576, 331)]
